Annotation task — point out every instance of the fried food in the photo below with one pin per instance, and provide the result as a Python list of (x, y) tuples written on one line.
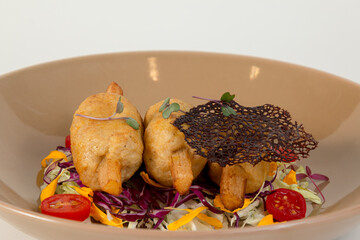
[(106, 153), (167, 157), (236, 180)]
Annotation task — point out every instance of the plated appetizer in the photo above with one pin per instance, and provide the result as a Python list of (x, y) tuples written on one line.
[(214, 166)]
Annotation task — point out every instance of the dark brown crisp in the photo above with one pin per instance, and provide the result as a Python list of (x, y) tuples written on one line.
[(262, 133)]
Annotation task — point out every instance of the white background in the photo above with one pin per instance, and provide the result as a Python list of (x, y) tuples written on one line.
[(321, 34)]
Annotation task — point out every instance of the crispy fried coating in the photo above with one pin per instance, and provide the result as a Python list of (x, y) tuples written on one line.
[(106, 153), (236, 180), (167, 157)]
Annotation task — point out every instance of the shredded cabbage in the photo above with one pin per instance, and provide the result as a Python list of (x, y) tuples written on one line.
[(142, 205)]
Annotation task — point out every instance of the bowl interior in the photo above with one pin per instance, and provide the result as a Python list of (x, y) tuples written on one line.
[(37, 105)]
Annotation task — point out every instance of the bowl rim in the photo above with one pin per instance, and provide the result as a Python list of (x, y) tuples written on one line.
[(174, 52), (346, 212)]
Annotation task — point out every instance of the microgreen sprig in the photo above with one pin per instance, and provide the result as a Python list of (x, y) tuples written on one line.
[(119, 109), (225, 98), (166, 108), (312, 177)]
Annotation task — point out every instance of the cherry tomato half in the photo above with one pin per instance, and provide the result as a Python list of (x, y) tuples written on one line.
[(285, 204), (69, 206), (68, 141)]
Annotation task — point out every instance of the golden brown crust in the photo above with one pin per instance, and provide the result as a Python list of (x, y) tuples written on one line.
[(106, 153), (114, 88), (254, 175), (181, 171), (232, 187), (162, 140)]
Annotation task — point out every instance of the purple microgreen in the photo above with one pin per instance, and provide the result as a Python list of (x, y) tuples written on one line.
[(317, 188), (301, 176), (98, 118), (130, 121), (312, 177), (119, 106), (119, 109), (308, 171), (227, 97), (320, 177), (208, 99)]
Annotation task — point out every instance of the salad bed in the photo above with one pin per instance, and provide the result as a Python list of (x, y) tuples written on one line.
[(147, 204)]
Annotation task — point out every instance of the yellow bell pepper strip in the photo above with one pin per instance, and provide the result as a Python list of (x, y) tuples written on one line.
[(54, 155), (218, 203), (85, 191), (149, 181), (102, 217), (95, 212), (272, 169), (185, 219), (50, 189), (267, 220), (210, 220), (290, 178)]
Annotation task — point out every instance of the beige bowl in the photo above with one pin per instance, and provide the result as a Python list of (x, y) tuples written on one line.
[(37, 104)]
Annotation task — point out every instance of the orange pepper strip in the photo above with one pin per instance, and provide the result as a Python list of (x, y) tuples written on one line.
[(149, 181), (218, 203), (50, 189), (102, 217), (85, 191), (290, 178), (267, 220), (185, 219), (53, 155), (210, 220)]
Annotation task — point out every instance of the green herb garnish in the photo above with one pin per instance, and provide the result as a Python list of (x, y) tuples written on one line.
[(119, 109), (225, 98), (166, 108)]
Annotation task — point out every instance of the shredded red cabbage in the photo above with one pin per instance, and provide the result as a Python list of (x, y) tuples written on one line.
[(141, 201)]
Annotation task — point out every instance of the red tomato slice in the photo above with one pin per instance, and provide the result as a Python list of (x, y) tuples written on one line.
[(285, 204), (69, 206), (68, 141)]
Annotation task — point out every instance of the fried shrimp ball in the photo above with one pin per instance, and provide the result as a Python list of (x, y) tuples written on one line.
[(167, 156), (236, 180), (106, 153)]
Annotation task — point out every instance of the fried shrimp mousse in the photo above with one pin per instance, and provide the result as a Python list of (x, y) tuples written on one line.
[(167, 157), (237, 180), (106, 149)]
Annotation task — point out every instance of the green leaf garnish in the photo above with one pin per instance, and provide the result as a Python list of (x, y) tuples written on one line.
[(132, 123), (232, 111), (227, 110), (166, 113), (119, 106), (227, 97), (174, 107), (165, 104)]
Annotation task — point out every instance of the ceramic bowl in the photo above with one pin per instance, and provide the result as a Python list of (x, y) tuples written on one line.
[(37, 104)]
